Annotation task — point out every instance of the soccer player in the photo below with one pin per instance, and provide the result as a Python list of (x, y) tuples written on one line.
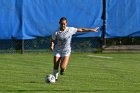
[(61, 45)]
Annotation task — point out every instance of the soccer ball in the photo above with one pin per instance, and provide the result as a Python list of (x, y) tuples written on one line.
[(50, 78)]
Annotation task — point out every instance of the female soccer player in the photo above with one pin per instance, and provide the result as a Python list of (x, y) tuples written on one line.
[(61, 45)]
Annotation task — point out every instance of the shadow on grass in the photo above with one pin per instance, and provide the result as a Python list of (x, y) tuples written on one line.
[(77, 91), (54, 90)]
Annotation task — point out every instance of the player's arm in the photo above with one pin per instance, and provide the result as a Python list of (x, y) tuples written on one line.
[(53, 41), (52, 45), (87, 29)]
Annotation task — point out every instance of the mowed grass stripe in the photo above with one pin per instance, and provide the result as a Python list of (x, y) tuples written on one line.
[(25, 73)]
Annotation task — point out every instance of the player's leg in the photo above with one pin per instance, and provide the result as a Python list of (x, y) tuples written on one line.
[(64, 64), (56, 66)]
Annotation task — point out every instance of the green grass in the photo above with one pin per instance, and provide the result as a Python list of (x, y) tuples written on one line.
[(25, 73)]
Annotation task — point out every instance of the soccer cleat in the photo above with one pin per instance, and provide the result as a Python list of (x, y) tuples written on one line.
[(56, 79)]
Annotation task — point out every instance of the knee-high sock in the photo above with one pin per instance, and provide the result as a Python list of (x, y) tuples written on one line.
[(55, 73)]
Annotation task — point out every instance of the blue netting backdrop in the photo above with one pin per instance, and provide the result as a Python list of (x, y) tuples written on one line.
[(29, 24), (123, 18), (28, 19)]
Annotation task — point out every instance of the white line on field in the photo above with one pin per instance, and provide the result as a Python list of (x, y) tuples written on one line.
[(99, 56)]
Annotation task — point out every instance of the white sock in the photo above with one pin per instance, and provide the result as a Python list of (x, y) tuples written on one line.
[(55, 73)]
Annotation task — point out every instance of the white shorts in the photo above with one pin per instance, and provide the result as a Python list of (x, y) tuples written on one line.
[(62, 53)]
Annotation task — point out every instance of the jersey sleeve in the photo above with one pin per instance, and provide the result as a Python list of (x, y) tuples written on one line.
[(54, 35), (73, 30)]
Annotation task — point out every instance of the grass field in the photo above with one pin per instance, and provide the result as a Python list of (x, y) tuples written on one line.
[(86, 73)]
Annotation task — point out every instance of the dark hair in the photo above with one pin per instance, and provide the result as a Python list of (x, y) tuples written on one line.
[(62, 18)]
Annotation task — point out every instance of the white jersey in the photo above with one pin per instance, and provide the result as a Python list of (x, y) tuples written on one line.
[(63, 39)]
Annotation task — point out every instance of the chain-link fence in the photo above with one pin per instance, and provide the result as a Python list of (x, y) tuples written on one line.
[(125, 44), (123, 41), (42, 44)]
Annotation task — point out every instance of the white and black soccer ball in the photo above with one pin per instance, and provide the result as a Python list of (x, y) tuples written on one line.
[(50, 78)]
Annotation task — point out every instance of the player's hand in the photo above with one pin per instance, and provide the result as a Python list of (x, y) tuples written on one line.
[(52, 48), (95, 29)]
